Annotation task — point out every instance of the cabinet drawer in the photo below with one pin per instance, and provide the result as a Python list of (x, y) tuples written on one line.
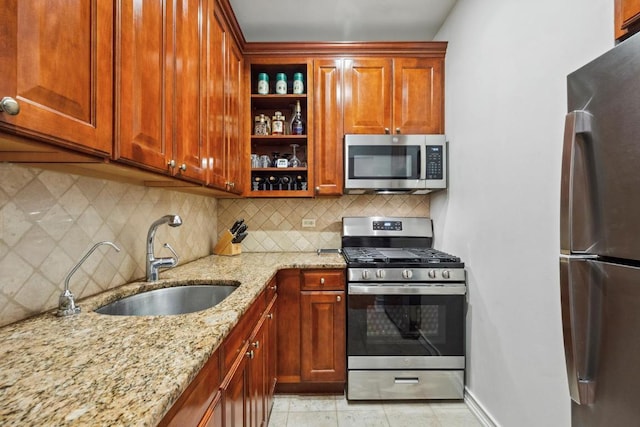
[(240, 333), (329, 280)]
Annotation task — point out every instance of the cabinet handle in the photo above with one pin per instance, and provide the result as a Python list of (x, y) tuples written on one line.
[(230, 184), (183, 167), (387, 131), (397, 130), (256, 344), (338, 298), (270, 316), (249, 354), (322, 280), (273, 288), (317, 189), (171, 163), (10, 106)]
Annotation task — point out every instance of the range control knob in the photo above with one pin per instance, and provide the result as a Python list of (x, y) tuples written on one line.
[(432, 274), (407, 274), (380, 274), (365, 274), (446, 274)]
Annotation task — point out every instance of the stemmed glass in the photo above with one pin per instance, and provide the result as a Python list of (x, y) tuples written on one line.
[(294, 162)]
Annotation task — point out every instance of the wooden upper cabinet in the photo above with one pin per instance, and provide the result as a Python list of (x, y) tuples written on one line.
[(214, 116), (399, 95), (418, 98), (159, 86), (367, 95), (627, 17), (188, 103), (143, 87), (222, 122), (234, 159), (328, 126), (56, 63)]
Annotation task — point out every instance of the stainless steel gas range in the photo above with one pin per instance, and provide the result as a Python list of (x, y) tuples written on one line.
[(406, 311)]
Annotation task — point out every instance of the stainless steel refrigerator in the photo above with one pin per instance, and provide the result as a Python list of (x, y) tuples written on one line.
[(600, 239)]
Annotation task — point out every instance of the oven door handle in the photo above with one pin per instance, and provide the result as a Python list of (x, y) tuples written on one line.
[(413, 289)]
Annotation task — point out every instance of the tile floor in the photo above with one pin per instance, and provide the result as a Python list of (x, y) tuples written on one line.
[(335, 411)]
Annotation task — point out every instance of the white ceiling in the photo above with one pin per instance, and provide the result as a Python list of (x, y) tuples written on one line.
[(340, 20)]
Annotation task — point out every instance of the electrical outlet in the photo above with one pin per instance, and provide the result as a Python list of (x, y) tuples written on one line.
[(309, 222)]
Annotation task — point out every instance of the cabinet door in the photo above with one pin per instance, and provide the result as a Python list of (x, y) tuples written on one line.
[(214, 416), (418, 100), (143, 82), (323, 336), (270, 357), (187, 108), (234, 158), (236, 407), (328, 127), (257, 381), (288, 327), (627, 16), (56, 63), (367, 95), (215, 115)]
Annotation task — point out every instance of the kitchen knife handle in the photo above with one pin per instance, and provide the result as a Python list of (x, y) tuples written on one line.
[(577, 122)]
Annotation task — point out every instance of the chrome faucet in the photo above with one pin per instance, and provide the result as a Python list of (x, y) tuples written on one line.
[(155, 264), (66, 303)]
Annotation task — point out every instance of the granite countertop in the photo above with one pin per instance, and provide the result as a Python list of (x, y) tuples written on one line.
[(100, 370)]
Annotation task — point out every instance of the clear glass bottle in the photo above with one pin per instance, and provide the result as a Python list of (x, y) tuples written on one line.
[(297, 124)]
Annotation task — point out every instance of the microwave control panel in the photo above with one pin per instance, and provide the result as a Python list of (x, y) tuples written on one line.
[(435, 160)]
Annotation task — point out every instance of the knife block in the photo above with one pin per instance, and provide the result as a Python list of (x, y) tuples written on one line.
[(225, 247)]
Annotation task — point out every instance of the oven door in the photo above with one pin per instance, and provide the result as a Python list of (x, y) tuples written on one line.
[(399, 326)]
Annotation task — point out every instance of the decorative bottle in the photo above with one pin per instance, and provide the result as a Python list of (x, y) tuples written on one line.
[(297, 124)]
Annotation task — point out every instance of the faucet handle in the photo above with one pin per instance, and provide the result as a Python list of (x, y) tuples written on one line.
[(168, 246)]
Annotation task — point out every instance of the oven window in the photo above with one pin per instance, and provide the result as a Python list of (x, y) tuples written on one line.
[(405, 325), (380, 162)]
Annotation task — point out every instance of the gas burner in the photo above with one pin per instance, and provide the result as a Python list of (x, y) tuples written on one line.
[(393, 257)]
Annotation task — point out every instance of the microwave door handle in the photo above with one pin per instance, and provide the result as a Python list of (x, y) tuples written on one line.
[(423, 163), (576, 122)]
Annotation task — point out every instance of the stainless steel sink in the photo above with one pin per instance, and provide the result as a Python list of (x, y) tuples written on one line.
[(169, 301)]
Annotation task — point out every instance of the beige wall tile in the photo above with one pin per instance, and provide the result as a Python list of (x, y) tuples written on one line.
[(49, 220)]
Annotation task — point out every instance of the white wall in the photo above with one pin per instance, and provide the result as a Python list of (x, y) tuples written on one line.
[(506, 68)]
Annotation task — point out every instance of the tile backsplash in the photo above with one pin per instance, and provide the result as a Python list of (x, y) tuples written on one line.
[(49, 220), (276, 224)]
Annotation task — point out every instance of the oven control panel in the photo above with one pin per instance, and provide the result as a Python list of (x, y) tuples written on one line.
[(387, 225)]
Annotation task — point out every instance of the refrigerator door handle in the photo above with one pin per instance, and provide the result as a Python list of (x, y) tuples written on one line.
[(581, 299), (576, 122)]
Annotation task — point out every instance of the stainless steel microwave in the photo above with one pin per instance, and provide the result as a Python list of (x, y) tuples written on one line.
[(394, 164)]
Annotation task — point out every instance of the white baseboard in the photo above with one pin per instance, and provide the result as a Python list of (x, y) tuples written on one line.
[(478, 410)]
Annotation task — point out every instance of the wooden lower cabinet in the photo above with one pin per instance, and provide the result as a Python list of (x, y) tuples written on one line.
[(311, 330), (235, 387), (322, 348), (247, 388)]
